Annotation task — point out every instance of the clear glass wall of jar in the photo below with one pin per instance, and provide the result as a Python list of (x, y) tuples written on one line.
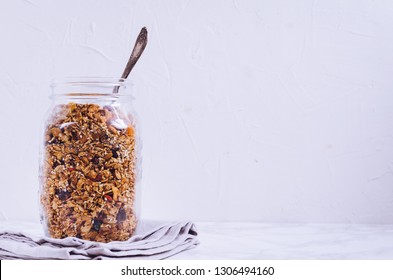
[(89, 161)]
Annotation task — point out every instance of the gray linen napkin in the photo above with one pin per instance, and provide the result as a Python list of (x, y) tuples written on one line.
[(149, 242)]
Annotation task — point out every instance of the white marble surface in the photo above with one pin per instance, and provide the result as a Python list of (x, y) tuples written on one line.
[(278, 241), (292, 241)]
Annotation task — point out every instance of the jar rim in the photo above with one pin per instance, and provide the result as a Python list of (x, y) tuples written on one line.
[(90, 80), (90, 87)]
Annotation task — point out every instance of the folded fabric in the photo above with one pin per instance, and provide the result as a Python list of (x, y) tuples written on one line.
[(151, 241)]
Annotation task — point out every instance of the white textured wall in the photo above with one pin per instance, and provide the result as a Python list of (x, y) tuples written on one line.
[(251, 110)]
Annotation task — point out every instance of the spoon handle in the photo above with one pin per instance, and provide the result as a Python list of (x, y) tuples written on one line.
[(137, 51)]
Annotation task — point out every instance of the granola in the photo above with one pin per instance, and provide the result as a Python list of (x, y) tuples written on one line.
[(88, 173)]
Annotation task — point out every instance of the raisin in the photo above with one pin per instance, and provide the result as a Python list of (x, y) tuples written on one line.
[(54, 141), (72, 162), (75, 136), (114, 152), (96, 224), (98, 178), (96, 159), (101, 215), (62, 194), (121, 215), (104, 138)]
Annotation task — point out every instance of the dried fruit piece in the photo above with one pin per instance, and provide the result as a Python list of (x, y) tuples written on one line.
[(98, 178), (121, 215), (96, 159), (62, 194), (114, 152), (130, 131), (97, 224)]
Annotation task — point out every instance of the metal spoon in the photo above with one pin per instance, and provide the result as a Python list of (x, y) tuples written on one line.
[(136, 53)]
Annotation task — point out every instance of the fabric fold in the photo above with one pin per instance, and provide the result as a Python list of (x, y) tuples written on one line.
[(152, 240)]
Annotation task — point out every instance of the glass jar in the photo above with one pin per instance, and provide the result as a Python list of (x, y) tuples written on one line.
[(89, 161)]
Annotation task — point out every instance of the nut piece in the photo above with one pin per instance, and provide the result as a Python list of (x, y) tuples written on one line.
[(89, 172), (55, 131)]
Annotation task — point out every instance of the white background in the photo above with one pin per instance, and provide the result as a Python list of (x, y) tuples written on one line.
[(271, 111)]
